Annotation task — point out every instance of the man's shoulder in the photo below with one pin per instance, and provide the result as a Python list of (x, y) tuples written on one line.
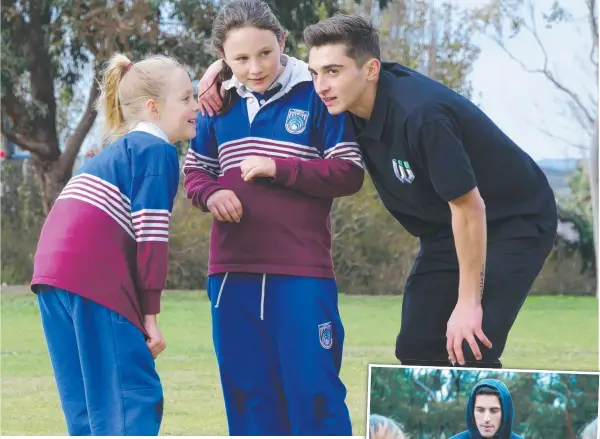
[(406, 79), (463, 435), (421, 98), (515, 436)]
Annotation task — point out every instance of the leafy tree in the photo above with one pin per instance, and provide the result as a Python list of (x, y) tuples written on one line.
[(435, 40), (577, 208)]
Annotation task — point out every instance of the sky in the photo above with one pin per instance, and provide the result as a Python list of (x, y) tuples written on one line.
[(524, 104)]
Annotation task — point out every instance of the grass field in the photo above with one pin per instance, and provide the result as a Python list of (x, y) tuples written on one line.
[(559, 333)]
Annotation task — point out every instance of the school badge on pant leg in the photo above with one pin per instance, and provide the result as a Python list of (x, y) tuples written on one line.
[(326, 335), (295, 123)]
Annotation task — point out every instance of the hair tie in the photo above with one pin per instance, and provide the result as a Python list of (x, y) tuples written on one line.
[(129, 66)]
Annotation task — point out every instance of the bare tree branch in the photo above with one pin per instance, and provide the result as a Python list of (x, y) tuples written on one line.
[(594, 28), (76, 139), (536, 35), (544, 70), (429, 391), (28, 144), (566, 141), (593, 19)]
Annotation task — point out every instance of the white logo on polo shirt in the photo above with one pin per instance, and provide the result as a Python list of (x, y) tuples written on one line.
[(402, 171)]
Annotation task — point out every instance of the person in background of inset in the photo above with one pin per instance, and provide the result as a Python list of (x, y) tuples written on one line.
[(268, 167), (489, 413), (382, 427), (102, 257), (590, 431)]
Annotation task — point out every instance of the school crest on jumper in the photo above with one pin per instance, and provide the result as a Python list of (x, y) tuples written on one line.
[(296, 120), (326, 335), (402, 171)]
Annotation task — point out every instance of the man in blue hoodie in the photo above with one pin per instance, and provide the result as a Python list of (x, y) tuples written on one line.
[(489, 412)]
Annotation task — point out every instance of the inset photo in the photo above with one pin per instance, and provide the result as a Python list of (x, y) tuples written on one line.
[(460, 403)]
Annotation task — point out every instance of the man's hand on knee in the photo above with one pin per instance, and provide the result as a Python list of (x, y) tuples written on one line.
[(464, 325)]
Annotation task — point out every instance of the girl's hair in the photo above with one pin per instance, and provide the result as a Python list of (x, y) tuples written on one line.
[(237, 14), (590, 431), (381, 427), (125, 88)]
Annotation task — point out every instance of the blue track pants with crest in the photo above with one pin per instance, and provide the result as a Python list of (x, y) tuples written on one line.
[(278, 341)]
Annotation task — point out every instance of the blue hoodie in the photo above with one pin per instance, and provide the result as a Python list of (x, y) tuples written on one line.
[(505, 431)]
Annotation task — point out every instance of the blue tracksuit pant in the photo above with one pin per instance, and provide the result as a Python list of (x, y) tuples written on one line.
[(278, 341), (105, 373)]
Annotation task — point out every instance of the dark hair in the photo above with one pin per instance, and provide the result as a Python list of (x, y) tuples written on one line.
[(234, 15), (353, 30), (487, 390)]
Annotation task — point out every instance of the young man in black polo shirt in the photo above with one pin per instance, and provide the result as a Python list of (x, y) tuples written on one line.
[(483, 210)]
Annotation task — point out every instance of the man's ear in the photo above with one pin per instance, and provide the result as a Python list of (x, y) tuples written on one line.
[(373, 67)]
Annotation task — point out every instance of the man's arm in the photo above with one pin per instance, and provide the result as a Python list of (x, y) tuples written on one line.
[(470, 238), (469, 227), (438, 144), (210, 97)]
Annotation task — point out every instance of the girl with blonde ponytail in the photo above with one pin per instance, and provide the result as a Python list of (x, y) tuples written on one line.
[(101, 262)]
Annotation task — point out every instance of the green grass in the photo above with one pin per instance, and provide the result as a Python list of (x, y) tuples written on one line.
[(559, 333)]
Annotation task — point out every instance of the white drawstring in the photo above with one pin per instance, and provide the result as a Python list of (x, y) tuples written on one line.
[(221, 290), (262, 297)]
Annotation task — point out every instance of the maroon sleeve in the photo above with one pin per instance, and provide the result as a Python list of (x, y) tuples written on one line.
[(322, 178), (151, 207), (200, 180)]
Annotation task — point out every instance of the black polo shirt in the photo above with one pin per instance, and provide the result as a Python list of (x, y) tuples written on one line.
[(426, 145)]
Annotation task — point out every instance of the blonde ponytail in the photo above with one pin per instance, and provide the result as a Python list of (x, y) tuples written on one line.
[(125, 87), (109, 98)]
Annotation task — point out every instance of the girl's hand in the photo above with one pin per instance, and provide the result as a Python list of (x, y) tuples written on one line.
[(225, 206), (256, 166), (156, 342)]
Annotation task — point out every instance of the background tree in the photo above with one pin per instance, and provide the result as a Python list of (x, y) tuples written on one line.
[(504, 20), (52, 47), (46, 46)]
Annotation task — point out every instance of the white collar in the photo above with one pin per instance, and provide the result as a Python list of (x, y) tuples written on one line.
[(150, 128)]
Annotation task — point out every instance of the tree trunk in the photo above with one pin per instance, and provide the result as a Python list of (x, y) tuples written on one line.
[(594, 188), (52, 178), (569, 423)]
